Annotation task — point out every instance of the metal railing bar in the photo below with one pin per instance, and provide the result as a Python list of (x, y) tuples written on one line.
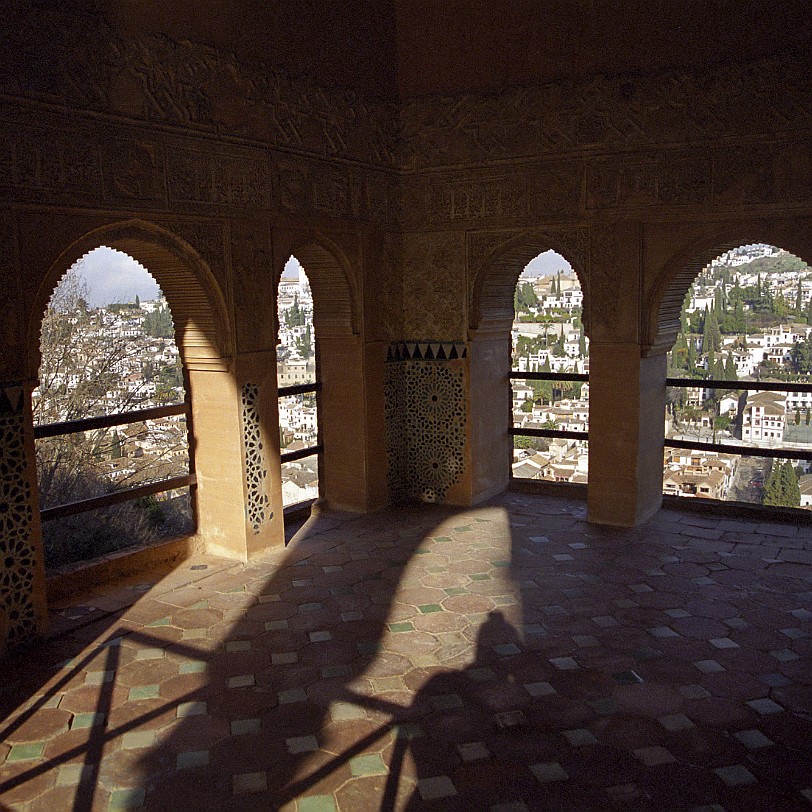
[(764, 386), (298, 389), (292, 456), (742, 451), (108, 420), (548, 376), (568, 435), (117, 497)]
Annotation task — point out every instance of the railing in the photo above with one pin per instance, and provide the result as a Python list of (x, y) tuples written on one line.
[(782, 452), (126, 494), (302, 389)]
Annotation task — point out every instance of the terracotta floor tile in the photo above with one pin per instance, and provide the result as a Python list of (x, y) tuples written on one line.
[(536, 685)]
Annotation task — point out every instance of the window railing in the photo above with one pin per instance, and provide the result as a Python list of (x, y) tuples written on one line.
[(742, 448), (302, 389), (555, 377), (47, 430), (532, 459), (301, 506)]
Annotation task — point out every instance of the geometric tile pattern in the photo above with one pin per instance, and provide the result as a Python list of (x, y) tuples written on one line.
[(17, 556), (425, 657), (426, 421), (256, 471)]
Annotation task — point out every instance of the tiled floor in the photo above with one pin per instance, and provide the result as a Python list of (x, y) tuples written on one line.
[(506, 657)]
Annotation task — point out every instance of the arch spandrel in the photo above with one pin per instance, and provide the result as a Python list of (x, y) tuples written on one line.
[(195, 300)]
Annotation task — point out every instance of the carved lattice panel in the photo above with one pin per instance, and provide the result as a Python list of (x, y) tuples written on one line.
[(256, 471)]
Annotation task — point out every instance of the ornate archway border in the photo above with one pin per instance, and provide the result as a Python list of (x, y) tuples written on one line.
[(198, 307)]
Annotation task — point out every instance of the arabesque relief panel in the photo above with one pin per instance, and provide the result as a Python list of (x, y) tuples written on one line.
[(434, 285)]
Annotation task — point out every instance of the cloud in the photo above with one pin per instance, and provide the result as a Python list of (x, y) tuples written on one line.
[(113, 276)]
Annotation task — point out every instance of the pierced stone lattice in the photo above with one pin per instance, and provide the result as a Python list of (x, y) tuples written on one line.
[(17, 557), (256, 472), (426, 418)]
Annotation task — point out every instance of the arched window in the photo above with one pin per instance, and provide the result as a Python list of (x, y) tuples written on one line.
[(739, 400), (550, 367), (299, 383), (110, 413)]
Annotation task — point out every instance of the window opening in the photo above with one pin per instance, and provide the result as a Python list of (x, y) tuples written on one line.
[(299, 384), (110, 414), (739, 398), (550, 374)]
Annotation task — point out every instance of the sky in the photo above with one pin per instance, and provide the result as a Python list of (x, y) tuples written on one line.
[(545, 264), (113, 276)]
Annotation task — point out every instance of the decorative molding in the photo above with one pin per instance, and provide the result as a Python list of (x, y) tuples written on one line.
[(603, 279), (426, 351), (256, 470), (196, 176), (547, 190), (253, 287)]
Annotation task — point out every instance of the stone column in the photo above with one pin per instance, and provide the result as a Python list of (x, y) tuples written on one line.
[(626, 433), (352, 425), (23, 609), (489, 446), (236, 449)]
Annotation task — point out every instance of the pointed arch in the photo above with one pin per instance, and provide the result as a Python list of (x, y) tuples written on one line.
[(491, 305), (199, 312), (662, 310), (335, 301)]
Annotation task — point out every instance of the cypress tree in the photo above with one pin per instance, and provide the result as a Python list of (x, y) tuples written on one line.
[(691, 356), (790, 487)]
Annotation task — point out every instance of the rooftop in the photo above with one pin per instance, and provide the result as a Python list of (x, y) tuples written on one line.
[(508, 656)]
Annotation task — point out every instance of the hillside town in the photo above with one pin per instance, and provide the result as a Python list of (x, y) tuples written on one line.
[(747, 317), (103, 361)]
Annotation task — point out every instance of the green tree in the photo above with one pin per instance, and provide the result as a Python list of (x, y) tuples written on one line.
[(525, 297), (800, 356), (158, 324), (782, 489)]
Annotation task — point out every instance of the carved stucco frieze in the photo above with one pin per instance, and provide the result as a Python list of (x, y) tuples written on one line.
[(512, 195), (224, 180), (75, 60), (37, 161), (134, 171), (619, 113), (648, 179)]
